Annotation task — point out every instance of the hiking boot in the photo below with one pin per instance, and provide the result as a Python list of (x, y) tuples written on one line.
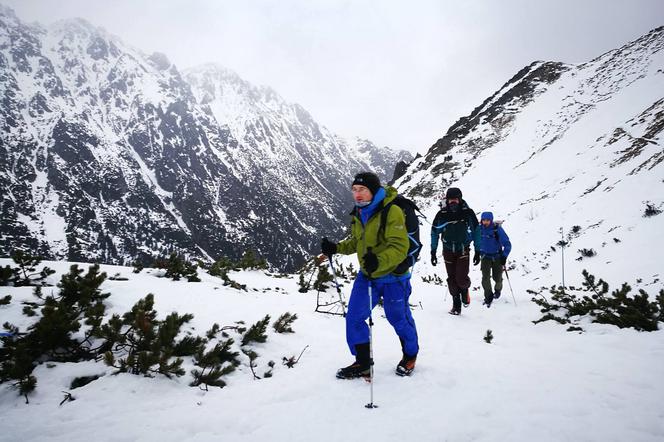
[(456, 305), (406, 365), (496, 294), (354, 370), (487, 302), (465, 297), (362, 365)]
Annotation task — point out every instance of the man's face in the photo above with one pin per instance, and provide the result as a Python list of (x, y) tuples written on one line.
[(453, 201), (361, 194), (486, 222)]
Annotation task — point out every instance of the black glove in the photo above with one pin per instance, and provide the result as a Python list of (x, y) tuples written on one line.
[(503, 260), (328, 247), (476, 258), (434, 260), (370, 262)]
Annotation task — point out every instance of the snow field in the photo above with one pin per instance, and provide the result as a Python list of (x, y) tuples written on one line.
[(533, 382)]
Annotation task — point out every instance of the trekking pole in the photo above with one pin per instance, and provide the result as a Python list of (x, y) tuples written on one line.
[(336, 283), (500, 247), (562, 244), (510, 284), (371, 361)]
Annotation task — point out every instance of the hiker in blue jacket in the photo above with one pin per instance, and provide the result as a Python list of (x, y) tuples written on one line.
[(494, 248)]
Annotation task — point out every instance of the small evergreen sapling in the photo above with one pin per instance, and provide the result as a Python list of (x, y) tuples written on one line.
[(304, 287), (138, 266), (218, 361), (651, 210), (283, 324), (256, 333), (310, 269), (322, 279), (5, 275)]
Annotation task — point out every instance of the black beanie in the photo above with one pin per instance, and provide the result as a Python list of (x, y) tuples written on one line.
[(453, 192), (369, 180)]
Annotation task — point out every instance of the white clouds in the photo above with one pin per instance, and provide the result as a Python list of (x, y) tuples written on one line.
[(396, 72)]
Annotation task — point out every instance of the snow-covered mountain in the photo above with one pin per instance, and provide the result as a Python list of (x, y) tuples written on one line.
[(109, 154), (560, 146)]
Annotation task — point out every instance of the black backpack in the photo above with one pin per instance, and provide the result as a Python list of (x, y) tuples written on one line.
[(409, 209)]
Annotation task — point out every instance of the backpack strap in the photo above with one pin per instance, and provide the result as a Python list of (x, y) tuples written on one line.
[(495, 234), (383, 217)]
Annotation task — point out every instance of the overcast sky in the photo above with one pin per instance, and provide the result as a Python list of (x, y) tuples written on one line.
[(396, 72)]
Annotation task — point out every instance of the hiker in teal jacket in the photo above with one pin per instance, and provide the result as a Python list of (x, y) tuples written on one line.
[(457, 224)]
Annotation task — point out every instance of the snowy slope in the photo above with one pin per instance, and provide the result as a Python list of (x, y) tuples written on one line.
[(533, 382), (109, 154), (581, 147)]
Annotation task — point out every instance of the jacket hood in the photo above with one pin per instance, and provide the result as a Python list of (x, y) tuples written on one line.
[(487, 215), (390, 194)]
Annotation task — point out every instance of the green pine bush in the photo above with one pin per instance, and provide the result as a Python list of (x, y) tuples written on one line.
[(593, 300), (25, 273), (143, 345), (177, 267), (79, 305)]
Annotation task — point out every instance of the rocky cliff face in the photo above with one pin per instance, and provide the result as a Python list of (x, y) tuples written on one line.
[(541, 104)]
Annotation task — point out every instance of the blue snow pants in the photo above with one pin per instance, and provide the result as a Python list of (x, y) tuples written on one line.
[(395, 292)]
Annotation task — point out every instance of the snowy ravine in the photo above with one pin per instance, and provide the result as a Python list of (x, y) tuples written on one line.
[(534, 382)]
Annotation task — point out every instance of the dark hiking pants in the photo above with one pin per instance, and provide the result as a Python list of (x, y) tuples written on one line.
[(491, 267), (457, 265)]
